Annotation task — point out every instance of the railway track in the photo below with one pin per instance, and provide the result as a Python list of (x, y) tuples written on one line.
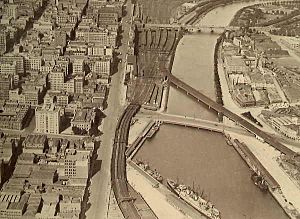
[(152, 64), (118, 165)]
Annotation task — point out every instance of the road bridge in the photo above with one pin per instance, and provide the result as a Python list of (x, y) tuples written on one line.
[(261, 135), (192, 122)]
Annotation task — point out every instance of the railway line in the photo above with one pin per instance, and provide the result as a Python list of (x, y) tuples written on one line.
[(118, 165), (154, 48), (161, 39)]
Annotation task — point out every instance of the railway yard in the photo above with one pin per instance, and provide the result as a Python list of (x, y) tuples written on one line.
[(153, 48)]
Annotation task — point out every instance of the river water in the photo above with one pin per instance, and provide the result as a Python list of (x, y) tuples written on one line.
[(202, 158)]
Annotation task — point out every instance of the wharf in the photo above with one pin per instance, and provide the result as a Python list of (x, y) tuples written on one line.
[(255, 164), (172, 203), (273, 186), (148, 132)]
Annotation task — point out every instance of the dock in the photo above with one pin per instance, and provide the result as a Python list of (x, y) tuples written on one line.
[(148, 132), (255, 164)]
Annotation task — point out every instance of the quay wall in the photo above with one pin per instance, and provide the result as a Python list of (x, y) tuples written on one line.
[(219, 95), (133, 149), (273, 186)]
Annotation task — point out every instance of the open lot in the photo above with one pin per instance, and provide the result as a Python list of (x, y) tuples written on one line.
[(159, 11)]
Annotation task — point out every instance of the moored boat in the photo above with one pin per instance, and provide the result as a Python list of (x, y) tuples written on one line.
[(228, 139), (259, 181), (196, 201), (146, 168)]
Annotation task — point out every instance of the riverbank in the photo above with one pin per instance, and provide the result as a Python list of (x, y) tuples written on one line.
[(219, 95), (288, 193)]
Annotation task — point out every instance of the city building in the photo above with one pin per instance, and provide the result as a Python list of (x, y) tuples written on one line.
[(70, 207), (235, 64), (57, 80), (3, 41), (13, 209), (15, 116), (6, 82), (8, 68), (11, 59), (83, 119), (77, 164), (78, 66), (35, 144), (93, 35), (101, 67), (6, 149), (78, 84), (11, 10), (48, 119)]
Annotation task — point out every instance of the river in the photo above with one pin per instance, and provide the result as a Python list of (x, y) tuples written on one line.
[(202, 158)]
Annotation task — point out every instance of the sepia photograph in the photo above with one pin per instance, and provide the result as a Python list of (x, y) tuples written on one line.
[(149, 109)]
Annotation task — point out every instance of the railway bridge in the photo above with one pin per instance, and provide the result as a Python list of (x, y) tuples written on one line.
[(261, 135)]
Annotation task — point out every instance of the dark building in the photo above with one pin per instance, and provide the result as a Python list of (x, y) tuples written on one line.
[(5, 85)]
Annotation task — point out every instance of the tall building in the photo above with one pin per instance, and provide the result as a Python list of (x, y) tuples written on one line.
[(57, 80), (102, 67), (11, 10), (48, 119), (3, 41), (78, 66), (35, 63), (78, 84), (77, 164), (8, 68), (10, 59), (5, 85)]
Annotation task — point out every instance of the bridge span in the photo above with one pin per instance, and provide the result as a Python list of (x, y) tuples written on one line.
[(193, 28), (261, 135), (192, 122)]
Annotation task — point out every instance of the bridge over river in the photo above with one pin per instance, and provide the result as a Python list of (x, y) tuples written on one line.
[(193, 28), (200, 97), (191, 122)]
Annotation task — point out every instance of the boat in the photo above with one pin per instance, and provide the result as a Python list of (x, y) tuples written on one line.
[(153, 130), (228, 140), (259, 181), (193, 199), (146, 168)]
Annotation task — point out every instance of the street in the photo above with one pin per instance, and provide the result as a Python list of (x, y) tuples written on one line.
[(101, 181)]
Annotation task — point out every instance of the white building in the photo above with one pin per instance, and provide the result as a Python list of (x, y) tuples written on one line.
[(102, 67), (77, 163), (48, 119)]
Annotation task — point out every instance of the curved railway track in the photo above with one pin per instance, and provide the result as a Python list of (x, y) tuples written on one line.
[(143, 89), (118, 164)]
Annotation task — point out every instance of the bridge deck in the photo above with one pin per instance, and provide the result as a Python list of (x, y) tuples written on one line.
[(193, 122), (220, 109)]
